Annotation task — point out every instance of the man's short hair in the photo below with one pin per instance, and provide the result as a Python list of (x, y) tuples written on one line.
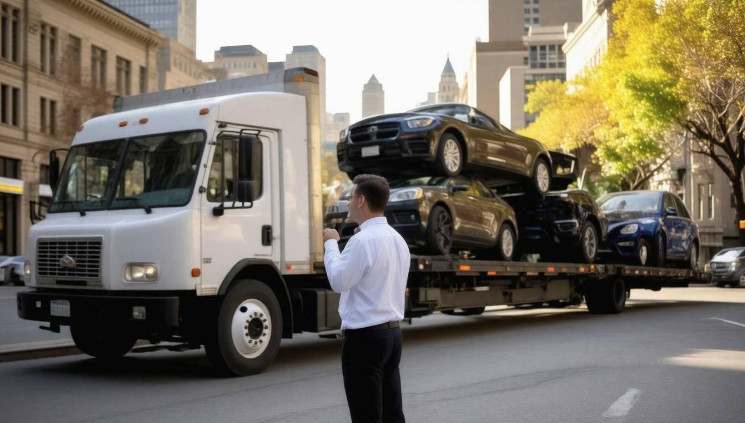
[(375, 189)]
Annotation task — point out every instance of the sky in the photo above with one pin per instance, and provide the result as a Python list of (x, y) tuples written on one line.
[(405, 43)]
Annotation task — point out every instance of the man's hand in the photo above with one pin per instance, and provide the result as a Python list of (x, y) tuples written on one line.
[(329, 233)]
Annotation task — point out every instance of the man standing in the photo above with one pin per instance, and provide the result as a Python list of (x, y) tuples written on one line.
[(371, 277)]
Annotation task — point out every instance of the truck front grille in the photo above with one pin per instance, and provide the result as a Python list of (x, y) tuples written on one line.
[(69, 259)]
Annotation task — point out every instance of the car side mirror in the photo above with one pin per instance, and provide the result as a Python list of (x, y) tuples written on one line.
[(459, 188), (671, 211)]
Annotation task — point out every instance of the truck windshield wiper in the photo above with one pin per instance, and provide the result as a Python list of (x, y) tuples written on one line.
[(74, 205), (139, 202)]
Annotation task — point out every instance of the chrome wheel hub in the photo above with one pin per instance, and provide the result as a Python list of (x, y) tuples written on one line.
[(251, 328), (542, 177), (507, 243), (452, 155), (591, 242)]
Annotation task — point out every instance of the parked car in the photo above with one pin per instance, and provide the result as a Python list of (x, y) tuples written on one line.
[(563, 226), (441, 214), (728, 267), (12, 270), (443, 140), (650, 228)]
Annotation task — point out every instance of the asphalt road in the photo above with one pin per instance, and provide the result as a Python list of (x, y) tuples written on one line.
[(673, 356), (16, 332)]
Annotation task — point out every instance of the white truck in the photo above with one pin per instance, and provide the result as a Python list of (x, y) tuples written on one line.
[(193, 216)]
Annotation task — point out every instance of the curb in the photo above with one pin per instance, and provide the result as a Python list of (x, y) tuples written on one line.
[(34, 350)]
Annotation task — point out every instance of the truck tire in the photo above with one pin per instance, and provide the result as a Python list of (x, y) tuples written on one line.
[(102, 341), (606, 297), (249, 330)]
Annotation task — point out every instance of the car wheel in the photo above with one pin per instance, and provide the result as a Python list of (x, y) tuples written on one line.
[(642, 253), (588, 243), (505, 243), (660, 251), (449, 160), (439, 231), (541, 179), (693, 257)]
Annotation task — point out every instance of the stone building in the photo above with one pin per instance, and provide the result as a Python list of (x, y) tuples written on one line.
[(373, 98), (61, 62), (448, 88), (178, 67), (240, 61)]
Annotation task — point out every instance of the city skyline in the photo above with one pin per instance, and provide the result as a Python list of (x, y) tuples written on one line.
[(407, 59)]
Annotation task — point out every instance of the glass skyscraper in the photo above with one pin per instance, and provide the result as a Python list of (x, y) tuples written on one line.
[(175, 19)]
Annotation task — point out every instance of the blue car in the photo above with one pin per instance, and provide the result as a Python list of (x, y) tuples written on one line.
[(650, 228)]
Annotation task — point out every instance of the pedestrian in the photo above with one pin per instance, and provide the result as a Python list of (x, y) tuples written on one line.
[(371, 276)]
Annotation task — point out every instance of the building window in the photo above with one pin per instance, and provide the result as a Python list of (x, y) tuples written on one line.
[(143, 79), (9, 168), (123, 76), (701, 199), (710, 201), (98, 67), (48, 112), (10, 108), (48, 49), (548, 56), (10, 33), (44, 174), (74, 57)]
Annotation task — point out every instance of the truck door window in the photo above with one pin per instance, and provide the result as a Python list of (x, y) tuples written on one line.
[(224, 171)]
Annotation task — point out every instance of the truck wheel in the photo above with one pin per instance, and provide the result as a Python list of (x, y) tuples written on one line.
[(588, 243), (249, 329), (541, 180), (439, 231), (449, 160), (606, 297), (102, 341), (505, 243)]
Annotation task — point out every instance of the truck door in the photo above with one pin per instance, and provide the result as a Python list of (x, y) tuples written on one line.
[(237, 231)]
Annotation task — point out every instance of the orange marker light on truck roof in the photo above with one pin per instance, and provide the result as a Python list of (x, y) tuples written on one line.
[(204, 111), (144, 121), (122, 123)]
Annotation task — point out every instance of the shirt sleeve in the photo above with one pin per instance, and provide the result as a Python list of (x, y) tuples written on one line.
[(346, 269)]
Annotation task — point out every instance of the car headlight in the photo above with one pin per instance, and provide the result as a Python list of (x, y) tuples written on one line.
[(406, 194), (141, 272), (630, 229), (343, 134), (732, 266), (422, 122), (27, 268)]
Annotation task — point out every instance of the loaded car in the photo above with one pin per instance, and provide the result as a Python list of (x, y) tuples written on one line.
[(728, 267), (439, 215), (650, 228), (562, 226), (444, 140)]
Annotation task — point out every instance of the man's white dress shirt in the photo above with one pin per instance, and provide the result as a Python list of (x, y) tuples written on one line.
[(370, 274)]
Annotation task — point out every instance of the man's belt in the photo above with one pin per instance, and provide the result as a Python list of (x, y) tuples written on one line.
[(386, 325)]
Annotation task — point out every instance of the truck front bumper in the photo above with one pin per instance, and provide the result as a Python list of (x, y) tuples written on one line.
[(143, 312)]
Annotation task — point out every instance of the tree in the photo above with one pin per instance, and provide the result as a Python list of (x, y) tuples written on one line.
[(705, 40)]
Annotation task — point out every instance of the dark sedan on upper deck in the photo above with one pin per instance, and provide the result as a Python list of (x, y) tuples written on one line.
[(444, 140)]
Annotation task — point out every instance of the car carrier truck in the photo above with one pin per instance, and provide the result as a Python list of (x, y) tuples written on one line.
[(192, 217)]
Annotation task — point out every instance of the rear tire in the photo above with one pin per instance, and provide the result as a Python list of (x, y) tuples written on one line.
[(440, 231), (100, 340), (249, 330), (606, 297)]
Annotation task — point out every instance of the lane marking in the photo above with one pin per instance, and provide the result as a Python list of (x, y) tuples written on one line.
[(726, 321), (623, 405)]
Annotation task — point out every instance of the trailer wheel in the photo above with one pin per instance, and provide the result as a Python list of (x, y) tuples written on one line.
[(105, 342), (606, 297), (249, 329)]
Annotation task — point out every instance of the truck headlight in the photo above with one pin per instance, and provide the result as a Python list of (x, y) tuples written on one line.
[(630, 229), (422, 122), (405, 194), (141, 272), (27, 269)]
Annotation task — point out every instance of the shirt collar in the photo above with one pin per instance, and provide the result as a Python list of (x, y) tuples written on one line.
[(374, 221)]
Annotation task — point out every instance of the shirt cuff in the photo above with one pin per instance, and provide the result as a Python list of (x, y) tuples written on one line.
[(329, 243)]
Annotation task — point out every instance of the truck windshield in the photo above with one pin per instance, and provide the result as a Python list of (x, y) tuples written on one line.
[(156, 171)]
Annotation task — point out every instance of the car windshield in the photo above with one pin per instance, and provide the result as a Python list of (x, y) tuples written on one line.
[(417, 182), (729, 254), (457, 111), (637, 202), (156, 171)]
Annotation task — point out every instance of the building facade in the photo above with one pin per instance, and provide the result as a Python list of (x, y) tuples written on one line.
[(509, 21), (587, 43), (373, 98), (178, 67), (308, 56), (176, 19), (448, 87), (61, 62), (237, 61)]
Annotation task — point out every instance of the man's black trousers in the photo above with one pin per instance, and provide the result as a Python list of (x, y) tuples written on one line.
[(372, 381)]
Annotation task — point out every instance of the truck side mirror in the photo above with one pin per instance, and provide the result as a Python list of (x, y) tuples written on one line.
[(246, 191), (249, 162)]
